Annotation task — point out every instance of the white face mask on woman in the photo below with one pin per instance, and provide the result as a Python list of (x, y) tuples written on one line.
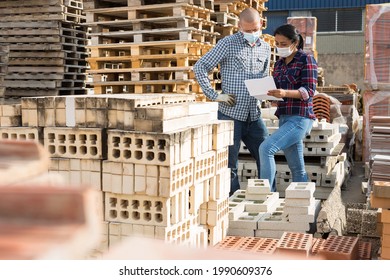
[(284, 52)]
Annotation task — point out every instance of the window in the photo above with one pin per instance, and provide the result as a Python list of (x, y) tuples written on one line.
[(341, 20)]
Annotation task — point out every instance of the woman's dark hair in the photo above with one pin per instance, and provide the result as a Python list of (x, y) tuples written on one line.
[(289, 31)]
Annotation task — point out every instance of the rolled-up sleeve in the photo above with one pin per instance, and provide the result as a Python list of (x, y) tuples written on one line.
[(206, 64), (309, 78)]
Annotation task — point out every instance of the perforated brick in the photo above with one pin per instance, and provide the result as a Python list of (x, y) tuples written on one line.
[(204, 166), (340, 248), (217, 210), (138, 209), (175, 178), (22, 133), (297, 243), (317, 244), (84, 143), (222, 158), (218, 232), (230, 243), (222, 134), (147, 148), (258, 245), (364, 250)]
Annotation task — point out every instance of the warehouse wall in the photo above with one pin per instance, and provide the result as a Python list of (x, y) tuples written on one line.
[(342, 57), (342, 68)]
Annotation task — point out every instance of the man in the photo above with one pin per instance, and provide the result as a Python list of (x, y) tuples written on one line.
[(241, 56)]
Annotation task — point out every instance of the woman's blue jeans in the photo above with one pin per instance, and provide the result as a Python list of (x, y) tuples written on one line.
[(289, 138), (252, 134)]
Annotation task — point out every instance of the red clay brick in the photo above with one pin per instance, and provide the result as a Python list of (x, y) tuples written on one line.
[(340, 248), (293, 242), (364, 250), (317, 244)]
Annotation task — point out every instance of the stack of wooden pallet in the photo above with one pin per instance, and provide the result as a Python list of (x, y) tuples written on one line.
[(227, 12), (148, 46), (46, 47)]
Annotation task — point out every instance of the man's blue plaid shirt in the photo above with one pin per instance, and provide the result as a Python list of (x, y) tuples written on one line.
[(238, 62)]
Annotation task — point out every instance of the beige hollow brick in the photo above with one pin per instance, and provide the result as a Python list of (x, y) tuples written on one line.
[(222, 158), (300, 190), (116, 183), (204, 166), (196, 141), (217, 233), (175, 178), (137, 209), (10, 121), (21, 133), (141, 147), (196, 198), (217, 210), (84, 143), (162, 112), (246, 220)]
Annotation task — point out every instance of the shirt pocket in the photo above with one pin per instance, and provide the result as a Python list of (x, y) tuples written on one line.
[(258, 65), (294, 76), (241, 62)]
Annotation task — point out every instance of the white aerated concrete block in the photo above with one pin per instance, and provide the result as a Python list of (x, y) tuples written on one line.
[(300, 190)]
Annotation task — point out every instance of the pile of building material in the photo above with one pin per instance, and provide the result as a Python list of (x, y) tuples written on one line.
[(46, 47), (299, 246), (307, 27), (159, 160), (257, 212), (376, 114), (325, 162)]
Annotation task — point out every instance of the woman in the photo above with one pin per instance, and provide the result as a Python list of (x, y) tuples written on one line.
[(295, 75)]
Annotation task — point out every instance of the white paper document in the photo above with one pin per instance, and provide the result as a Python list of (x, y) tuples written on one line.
[(258, 88)]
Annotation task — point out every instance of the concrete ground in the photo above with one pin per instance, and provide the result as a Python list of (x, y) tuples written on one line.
[(352, 188)]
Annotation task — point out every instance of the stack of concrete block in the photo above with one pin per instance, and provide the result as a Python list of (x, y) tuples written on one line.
[(363, 222), (298, 212), (247, 207), (325, 163)]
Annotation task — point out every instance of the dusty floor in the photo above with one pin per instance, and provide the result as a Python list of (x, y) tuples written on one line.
[(352, 189)]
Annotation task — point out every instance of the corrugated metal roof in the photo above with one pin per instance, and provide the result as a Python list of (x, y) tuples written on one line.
[(283, 5)]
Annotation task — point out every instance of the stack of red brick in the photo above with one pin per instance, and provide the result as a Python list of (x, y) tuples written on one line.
[(301, 246), (307, 27)]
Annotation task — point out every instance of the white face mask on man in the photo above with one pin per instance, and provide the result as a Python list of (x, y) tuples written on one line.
[(251, 37)]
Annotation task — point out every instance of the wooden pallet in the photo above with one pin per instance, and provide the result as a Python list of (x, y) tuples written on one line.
[(151, 23), (148, 11)]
